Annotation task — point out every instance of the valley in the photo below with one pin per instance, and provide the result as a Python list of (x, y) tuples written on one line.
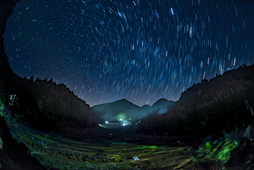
[(45, 125), (119, 148)]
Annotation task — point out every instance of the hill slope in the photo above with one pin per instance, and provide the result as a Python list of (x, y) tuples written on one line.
[(223, 103), (123, 109), (162, 105), (42, 104), (45, 105)]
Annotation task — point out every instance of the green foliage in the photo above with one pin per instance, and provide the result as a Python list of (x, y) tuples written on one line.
[(224, 153), (117, 159), (1, 113), (80, 158), (219, 151), (148, 147), (208, 146)]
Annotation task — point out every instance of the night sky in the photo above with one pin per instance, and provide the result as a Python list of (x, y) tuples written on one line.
[(140, 50)]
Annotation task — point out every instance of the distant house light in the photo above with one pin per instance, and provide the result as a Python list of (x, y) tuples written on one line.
[(106, 122)]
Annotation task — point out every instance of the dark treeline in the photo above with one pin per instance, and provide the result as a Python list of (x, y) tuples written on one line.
[(222, 104), (41, 103), (44, 104)]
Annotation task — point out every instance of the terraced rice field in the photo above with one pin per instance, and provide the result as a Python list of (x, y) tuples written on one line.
[(62, 153), (55, 151)]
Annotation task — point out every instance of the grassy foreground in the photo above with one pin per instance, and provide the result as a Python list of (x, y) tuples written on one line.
[(55, 152), (60, 153)]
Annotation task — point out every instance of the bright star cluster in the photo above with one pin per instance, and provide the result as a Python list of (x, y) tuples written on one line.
[(141, 50)]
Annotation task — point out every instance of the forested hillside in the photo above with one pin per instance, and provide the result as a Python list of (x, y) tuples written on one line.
[(46, 105), (223, 103)]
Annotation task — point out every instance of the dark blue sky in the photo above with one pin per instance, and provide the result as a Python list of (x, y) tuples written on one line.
[(141, 50)]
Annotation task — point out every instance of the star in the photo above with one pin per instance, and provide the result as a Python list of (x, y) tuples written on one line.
[(106, 50)]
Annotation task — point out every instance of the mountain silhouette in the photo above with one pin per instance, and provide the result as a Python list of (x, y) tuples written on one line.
[(111, 111), (222, 104), (162, 105)]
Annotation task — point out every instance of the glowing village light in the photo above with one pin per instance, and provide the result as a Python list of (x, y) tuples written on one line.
[(106, 122)]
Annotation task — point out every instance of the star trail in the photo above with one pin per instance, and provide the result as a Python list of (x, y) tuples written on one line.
[(140, 50)]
